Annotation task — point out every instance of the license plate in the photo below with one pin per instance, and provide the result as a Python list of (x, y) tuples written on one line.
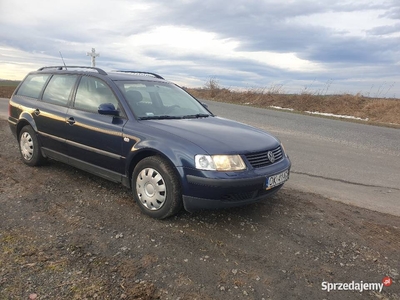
[(276, 180)]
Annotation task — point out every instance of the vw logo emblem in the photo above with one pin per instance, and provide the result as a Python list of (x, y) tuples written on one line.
[(271, 156)]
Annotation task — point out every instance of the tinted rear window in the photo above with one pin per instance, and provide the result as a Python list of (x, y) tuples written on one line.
[(33, 85)]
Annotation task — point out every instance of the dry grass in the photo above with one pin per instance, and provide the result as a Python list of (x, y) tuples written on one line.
[(376, 110)]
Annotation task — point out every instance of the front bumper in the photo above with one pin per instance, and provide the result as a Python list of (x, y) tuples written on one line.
[(192, 204), (203, 190)]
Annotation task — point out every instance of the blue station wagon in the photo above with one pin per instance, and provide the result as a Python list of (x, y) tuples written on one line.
[(140, 130)]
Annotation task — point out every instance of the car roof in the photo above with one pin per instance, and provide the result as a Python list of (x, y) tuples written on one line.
[(134, 75), (117, 75)]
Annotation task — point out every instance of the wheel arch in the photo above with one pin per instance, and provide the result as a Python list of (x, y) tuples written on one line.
[(140, 154), (25, 119)]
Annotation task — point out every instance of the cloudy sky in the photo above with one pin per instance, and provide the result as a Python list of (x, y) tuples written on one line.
[(287, 45)]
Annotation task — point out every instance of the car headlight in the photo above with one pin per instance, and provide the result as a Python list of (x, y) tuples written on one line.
[(219, 162)]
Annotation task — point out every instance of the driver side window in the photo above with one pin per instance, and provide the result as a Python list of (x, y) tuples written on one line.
[(91, 93)]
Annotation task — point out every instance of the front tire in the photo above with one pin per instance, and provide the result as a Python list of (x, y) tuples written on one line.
[(29, 147), (156, 187)]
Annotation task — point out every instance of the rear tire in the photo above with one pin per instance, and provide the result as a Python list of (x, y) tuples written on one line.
[(29, 147), (156, 187)]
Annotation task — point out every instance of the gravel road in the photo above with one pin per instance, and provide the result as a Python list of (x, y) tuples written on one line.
[(65, 234)]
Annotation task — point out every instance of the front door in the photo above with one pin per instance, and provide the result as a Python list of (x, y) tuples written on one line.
[(95, 140)]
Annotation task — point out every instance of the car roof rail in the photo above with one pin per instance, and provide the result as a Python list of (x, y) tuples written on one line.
[(100, 71), (141, 73)]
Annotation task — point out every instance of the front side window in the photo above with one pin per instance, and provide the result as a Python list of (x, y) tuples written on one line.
[(59, 89), (91, 93), (33, 85), (158, 100)]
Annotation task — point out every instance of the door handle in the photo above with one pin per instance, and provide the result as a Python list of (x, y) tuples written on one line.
[(71, 121), (36, 111)]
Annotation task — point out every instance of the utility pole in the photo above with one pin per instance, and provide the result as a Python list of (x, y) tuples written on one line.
[(93, 54)]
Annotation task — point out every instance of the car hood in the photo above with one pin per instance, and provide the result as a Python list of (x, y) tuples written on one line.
[(217, 135)]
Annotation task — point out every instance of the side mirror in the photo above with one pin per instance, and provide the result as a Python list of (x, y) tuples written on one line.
[(108, 109)]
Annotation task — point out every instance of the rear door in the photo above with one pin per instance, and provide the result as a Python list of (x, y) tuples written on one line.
[(49, 114), (95, 140)]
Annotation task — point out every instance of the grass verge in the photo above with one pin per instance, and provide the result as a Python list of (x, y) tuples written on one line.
[(380, 111)]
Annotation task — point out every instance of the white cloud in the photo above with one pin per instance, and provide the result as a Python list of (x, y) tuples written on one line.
[(353, 44), (355, 23)]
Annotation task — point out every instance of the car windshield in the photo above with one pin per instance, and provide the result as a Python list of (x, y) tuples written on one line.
[(158, 100)]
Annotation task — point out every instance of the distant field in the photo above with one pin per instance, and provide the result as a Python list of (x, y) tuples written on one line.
[(7, 87), (6, 91), (9, 83)]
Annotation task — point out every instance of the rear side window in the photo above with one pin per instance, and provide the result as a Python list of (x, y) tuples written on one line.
[(59, 89), (33, 85)]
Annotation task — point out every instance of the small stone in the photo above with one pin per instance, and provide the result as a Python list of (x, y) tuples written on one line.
[(234, 271), (33, 296)]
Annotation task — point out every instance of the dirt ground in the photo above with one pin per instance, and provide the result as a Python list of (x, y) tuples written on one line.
[(65, 234)]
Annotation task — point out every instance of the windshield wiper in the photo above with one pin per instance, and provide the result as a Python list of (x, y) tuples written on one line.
[(196, 116), (163, 117)]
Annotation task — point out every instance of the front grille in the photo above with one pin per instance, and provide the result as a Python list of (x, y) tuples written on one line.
[(260, 159), (249, 196), (239, 196)]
